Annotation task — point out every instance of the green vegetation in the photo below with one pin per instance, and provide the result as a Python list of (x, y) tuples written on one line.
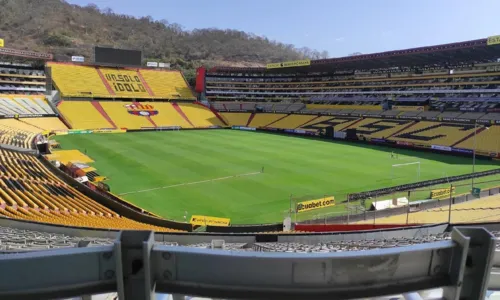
[(65, 30), (305, 168)]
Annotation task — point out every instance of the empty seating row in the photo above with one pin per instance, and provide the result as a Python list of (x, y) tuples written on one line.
[(29, 191), (24, 105)]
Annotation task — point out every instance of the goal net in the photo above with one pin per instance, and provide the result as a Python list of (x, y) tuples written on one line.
[(405, 173)]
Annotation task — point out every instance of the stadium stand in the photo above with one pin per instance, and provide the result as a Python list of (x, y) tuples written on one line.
[(16, 78), (199, 115), (102, 82), (136, 115), (31, 192), (118, 112), (265, 120), (46, 124), (82, 115), (17, 133), (24, 105), (475, 211), (236, 119), (487, 140), (293, 121), (168, 115), (169, 83), (435, 133)]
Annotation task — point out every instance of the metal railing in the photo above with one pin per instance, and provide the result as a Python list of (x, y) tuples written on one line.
[(136, 268)]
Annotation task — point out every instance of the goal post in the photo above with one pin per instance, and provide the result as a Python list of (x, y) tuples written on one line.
[(405, 170)]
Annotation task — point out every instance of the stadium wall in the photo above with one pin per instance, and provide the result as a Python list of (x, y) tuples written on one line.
[(117, 206), (348, 227), (246, 228)]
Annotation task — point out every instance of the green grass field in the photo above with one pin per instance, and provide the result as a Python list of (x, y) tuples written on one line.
[(305, 168)]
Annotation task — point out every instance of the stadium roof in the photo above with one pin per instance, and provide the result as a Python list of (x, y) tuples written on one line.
[(450, 53)]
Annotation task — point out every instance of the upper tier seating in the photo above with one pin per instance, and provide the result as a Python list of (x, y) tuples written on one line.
[(91, 81), (24, 105), (258, 86), (170, 83), (29, 191), (15, 79)]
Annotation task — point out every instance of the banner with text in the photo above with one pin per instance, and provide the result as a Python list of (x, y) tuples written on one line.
[(315, 204), (209, 221), (109, 131), (442, 148), (493, 40), (125, 83), (289, 64), (439, 193)]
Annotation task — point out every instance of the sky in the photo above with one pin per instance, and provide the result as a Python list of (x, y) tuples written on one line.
[(340, 27)]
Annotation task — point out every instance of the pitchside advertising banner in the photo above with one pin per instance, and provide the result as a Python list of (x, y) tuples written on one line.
[(289, 64), (439, 193), (315, 204), (243, 128), (209, 221), (76, 131), (442, 148)]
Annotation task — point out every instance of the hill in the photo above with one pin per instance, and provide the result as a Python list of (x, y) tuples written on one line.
[(65, 30)]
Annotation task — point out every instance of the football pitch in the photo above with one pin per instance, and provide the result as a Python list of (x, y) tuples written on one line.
[(249, 177)]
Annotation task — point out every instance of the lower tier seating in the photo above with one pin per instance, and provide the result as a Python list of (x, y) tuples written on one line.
[(29, 191), (17, 133), (435, 133), (427, 133), (265, 120), (46, 123), (236, 119), (136, 115)]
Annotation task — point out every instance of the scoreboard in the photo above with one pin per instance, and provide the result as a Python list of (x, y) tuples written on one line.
[(113, 56)]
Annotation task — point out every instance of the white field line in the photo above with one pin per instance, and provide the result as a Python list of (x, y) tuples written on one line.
[(190, 183)]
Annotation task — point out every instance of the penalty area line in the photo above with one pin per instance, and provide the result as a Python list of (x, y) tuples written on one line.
[(191, 183)]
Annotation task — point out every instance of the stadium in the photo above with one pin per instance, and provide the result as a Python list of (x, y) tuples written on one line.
[(361, 176)]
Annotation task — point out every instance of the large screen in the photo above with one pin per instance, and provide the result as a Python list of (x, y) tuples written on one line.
[(104, 55)]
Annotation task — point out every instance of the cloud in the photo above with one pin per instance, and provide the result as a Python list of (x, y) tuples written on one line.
[(340, 39)]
